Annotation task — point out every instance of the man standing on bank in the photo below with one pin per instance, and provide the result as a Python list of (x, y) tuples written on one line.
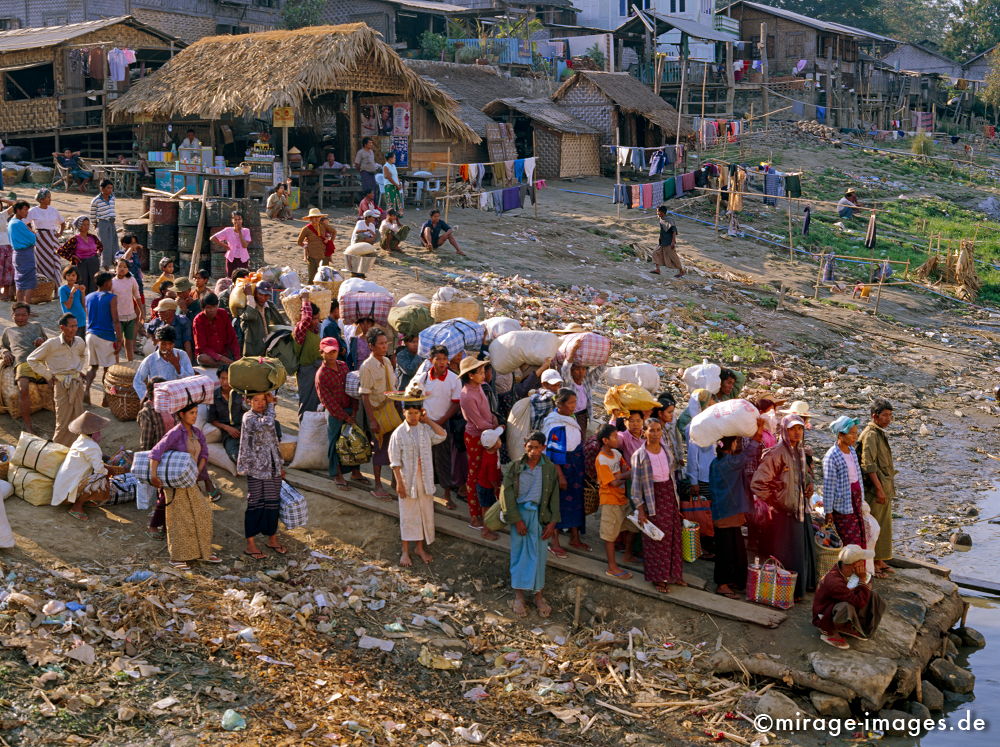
[(880, 480), (665, 254)]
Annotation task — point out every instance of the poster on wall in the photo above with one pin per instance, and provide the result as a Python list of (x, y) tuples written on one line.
[(369, 120), (401, 118), (384, 119), (401, 146)]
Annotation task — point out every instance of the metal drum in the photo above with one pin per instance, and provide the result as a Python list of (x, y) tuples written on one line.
[(163, 238), (189, 213), (256, 237), (220, 211), (163, 212), (216, 248), (184, 264), (217, 268), (186, 236), (250, 208)]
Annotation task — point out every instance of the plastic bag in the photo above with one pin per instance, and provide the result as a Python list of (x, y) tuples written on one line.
[(353, 447), (626, 397), (645, 375), (289, 279)]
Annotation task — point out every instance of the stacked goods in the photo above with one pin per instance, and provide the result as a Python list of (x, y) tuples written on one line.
[(410, 320), (815, 128), (455, 334), (176, 470), (292, 302), (593, 349), (188, 213), (360, 285), (734, 417), (40, 393), (500, 325), (357, 304), (624, 398), (35, 464), (512, 350), (221, 209), (327, 277), (642, 374), (257, 374), (171, 396), (119, 396), (414, 299), (162, 230), (451, 303)]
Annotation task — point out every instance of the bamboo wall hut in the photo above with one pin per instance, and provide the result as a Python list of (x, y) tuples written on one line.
[(563, 145), (343, 73), (618, 102), (49, 93)]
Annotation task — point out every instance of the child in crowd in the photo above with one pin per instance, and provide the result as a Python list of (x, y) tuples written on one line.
[(166, 273), (166, 290), (131, 252), (612, 471), (71, 295), (489, 477), (130, 307), (407, 360)]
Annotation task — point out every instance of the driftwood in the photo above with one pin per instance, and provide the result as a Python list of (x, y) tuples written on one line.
[(762, 666)]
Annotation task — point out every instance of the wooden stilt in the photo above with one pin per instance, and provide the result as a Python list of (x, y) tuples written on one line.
[(618, 165), (447, 186), (878, 295), (819, 278)]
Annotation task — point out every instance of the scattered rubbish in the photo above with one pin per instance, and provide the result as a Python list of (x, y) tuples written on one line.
[(233, 721)]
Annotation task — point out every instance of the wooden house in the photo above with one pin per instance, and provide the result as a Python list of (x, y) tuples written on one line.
[(563, 145), (51, 96), (621, 109)]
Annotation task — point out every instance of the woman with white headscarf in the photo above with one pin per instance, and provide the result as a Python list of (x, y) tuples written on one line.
[(784, 481)]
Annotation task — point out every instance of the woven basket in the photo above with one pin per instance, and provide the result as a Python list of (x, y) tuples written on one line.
[(287, 450), (591, 498), (41, 394), (826, 557), (121, 374), (43, 291), (123, 405), (331, 285), (442, 311)]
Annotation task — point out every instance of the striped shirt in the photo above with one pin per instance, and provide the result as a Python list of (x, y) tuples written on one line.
[(101, 209)]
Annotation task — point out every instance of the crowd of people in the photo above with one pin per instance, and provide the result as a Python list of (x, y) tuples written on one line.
[(437, 425)]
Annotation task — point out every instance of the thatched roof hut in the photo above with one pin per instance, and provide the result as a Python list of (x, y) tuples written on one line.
[(619, 102), (564, 145), (250, 74)]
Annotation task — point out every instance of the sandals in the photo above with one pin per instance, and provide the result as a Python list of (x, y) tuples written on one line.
[(80, 515), (622, 574), (215, 495), (180, 565), (560, 553), (212, 559), (280, 549), (259, 555)]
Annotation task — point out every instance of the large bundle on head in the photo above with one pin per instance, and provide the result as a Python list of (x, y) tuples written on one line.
[(257, 374), (356, 305), (452, 303), (624, 398), (171, 396), (455, 334), (512, 350), (734, 417), (318, 296), (703, 376), (645, 375)]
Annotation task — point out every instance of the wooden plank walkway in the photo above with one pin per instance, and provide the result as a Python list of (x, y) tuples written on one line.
[(578, 563)]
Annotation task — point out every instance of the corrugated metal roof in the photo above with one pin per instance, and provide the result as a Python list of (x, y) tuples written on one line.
[(48, 36), (429, 6), (815, 23), (543, 111), (692, 28)]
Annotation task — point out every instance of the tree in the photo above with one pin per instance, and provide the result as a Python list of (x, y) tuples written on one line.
[(991, 95), (299, 13), (976, 29), (863, 15), (916, 20)]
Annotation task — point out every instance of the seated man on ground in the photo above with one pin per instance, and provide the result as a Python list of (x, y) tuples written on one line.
[(845, 603), (392, 232), (17, 344), (435, 232)]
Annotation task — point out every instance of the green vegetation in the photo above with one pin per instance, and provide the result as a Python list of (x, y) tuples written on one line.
[(299, 13)]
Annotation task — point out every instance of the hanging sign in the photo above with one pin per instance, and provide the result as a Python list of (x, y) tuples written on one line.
[(283, 116)]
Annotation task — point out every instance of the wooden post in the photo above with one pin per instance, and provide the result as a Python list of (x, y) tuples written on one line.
[(763, 69), (730, 81), (104, 105), (200, 234), (819, 278), (791, 240), (680, 97), (284, 153), (878, 295), (447, 186), (718, 207), (704, 80), (534, 151), (618, 164)]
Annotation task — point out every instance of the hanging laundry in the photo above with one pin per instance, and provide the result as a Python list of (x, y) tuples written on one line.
[(529, 168), (647, 196), (639, 159), (624, 156), (508, 171), (701, 178), (800, 66), (656, 162), (485, 201), (519, 170), (669, 189), (870, 235), (805, 221), (636, 191), (499, 173), (511, 198), (773, 187), (793, 185), (687, 181), (679, 186), (118, 62), (821, 114), (463, 172), (497, 197), (798, 109), (97, 63)]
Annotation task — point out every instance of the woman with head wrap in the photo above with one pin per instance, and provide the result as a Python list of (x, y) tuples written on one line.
[(188, 511), (48, 224), (784, 481), (564, 447), (843, 495), (83, 250)]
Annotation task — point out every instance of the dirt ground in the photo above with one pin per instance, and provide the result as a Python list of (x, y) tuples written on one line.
[(933, 360)]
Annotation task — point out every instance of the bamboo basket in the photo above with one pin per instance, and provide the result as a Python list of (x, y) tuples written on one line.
[(826, 557), (119, 396), (41, 395), (591, 498), (43, 291), (331, 285), (286, 449), (442, 311)]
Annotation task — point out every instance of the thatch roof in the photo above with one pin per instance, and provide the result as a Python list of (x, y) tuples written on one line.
[(472, 86), (631, 96), (250, 74), (542, 111)]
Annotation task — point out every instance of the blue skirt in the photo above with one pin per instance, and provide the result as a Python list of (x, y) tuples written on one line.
[(571, 513), (25, 274)]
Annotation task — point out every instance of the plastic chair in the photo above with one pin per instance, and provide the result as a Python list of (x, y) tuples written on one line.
[(380, 183)]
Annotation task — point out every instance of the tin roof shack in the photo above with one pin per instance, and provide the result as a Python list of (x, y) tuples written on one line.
[(52, 97), (618, 103)]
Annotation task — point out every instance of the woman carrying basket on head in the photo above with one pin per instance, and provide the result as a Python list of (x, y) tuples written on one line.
[(188, 511)]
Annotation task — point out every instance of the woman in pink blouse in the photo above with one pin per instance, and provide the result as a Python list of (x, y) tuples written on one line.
[(478, 418)]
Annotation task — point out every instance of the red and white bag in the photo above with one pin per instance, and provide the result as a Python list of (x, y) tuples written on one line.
[(171, 396), (358, 305), (594, 349)]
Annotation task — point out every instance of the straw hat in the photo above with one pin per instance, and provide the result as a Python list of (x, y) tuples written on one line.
[(468, 365), (88, 423), (314, 213), (166, 304), (412, 393), (853, 553), (798, 407), (570, 329)]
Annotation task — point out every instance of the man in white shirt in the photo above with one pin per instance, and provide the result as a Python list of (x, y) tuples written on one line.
[(442, 390), (191, 140)]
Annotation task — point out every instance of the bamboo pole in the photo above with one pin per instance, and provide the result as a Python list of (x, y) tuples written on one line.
[(763, 71), (618, 164), (680, 97), (718, 207), (878, 295), (200, 234), (447, 185), (791, 240), (819, 278)]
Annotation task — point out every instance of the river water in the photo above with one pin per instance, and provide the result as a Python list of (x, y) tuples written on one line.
[(982, 561)]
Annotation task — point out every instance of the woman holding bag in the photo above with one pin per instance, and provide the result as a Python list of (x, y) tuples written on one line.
[(478, 418), (260, 461), (376, 377), (784, 481), (655, 498), (188, 511), (564, 446)]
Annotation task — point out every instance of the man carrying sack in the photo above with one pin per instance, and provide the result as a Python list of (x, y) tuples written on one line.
[(61, 360), (845, 602)]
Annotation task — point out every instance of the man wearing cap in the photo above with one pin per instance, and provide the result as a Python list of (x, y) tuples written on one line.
[(82, 472), (61, 361), (880, 480), (543, 400), (846, 205), (316, 239), (376, 378), (331, 388), (442, 393), (167, 316), (166, 361), (306, 340), (214, 337), (366, 229), (845, 602), (236, 239), (258, 317), (391, 233), (188, 304)]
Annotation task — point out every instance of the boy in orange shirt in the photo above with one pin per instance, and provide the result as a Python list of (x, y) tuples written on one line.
[(612, 471)]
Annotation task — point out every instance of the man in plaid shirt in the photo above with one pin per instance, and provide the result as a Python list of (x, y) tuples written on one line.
[(331, 387)]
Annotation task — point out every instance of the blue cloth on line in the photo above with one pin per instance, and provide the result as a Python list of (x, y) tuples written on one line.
[(518, 169)]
